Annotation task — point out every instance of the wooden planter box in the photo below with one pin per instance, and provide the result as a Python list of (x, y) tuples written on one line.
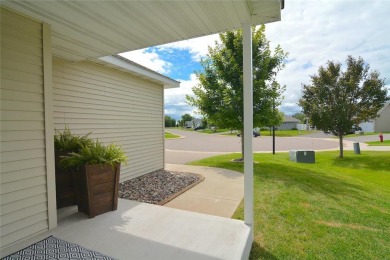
[(97, 189), (65, 187)]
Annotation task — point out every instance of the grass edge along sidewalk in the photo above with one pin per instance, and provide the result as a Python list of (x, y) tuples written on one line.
[(169, 135), (333, 209), (379, 143)]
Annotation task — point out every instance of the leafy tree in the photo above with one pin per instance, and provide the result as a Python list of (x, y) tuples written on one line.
[(169, 121), (301, 117), (336, 100), (219, 96), (185, 118), (204, 123)]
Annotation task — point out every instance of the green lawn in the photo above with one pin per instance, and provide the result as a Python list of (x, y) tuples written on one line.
[(286, 133), (378, 143), (333, 209), (170, 135)]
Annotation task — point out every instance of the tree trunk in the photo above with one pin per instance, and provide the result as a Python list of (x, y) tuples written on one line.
[(242, 144), (341, 146)]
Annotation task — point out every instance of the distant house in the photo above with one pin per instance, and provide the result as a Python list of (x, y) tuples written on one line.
[(380, 123), (289, 123), (188, 124), (193, 123)]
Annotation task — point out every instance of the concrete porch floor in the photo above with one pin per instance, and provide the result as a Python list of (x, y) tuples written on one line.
[(144, 231)]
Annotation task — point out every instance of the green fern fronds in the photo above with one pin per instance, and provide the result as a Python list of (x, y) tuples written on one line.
[(95, 153), (66, 141)]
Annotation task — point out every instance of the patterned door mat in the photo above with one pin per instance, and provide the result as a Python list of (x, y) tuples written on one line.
[(55, 248)]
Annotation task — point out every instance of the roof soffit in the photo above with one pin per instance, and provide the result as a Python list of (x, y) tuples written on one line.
[(92, 29)]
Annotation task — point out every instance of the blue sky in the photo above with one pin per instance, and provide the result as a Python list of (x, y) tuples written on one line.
[(313, 32)]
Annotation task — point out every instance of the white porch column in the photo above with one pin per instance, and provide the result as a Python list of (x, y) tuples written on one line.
[(248, 123), (49, 125)]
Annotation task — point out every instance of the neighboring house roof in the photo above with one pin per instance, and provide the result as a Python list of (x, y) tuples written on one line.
[(92, 29), (127, 65), (383, 108), (290, 119), (379, 111)]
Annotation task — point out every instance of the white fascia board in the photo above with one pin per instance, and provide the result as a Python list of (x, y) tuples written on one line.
[(142, 71)]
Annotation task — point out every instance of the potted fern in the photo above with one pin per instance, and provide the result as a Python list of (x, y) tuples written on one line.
[(97, 176), (64, 143)]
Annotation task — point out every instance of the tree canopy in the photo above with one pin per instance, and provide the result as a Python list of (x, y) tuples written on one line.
[(184, 119), (335, 100), (219, 95), (169, 121), (301, 117)]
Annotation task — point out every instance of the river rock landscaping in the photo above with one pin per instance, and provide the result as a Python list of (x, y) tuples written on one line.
[(158, 187)]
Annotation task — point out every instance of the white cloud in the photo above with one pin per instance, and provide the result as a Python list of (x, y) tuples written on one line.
[(197, 47), (314, 32), (150, 60), (175, 99)]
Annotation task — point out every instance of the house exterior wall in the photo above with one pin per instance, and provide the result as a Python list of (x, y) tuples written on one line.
[(23, 177), (116, 107), (287, 126), (382, 123), (367, 126)]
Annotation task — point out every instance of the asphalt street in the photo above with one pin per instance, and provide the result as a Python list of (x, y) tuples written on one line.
[(199, 142), (196, 145)]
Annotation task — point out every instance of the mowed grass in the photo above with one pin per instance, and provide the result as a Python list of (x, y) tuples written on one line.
[(378, 143), (286, 133), (333, 209), (170, 135)]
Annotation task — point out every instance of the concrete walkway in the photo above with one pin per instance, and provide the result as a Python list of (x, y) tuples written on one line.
[(219, 194)]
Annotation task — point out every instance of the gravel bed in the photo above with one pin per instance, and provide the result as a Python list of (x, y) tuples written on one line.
[(158, 187)]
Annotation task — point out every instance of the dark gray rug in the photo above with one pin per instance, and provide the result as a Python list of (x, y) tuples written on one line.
[(55, 248)]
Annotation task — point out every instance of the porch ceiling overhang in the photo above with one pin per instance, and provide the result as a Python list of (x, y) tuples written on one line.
[(91, 29)]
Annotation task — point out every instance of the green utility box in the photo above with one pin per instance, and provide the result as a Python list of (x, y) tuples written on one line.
[(302, 156)]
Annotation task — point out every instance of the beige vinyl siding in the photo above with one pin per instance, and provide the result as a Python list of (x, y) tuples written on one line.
[(116, 106), (382, 123), (23, 203)]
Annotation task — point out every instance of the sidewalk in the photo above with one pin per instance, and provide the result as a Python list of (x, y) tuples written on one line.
[(348, 145), (219, 194)]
